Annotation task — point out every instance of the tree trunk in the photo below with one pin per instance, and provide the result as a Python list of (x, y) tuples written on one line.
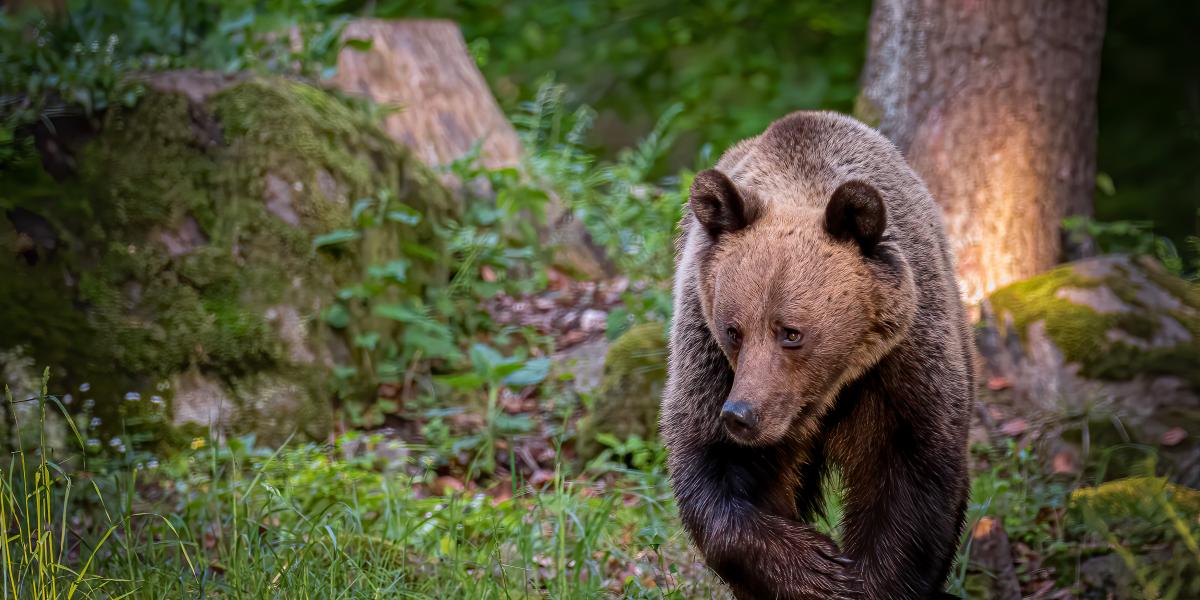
[(993, 102), (423, 67), (445, 108)]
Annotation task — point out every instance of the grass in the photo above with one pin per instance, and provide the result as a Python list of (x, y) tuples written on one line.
[(367, 518), (342, 521)]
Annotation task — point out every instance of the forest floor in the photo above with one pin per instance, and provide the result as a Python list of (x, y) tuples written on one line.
[(417, 510)]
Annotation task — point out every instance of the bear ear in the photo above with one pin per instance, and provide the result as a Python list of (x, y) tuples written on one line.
[(856, 212), (719, 205)]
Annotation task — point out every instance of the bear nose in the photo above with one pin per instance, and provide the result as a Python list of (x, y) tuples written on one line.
[(739, 418)]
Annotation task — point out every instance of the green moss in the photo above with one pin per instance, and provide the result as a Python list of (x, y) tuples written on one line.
[(1136, 499), (627, 401), (1078, 330), (114, 306), (1082, 334)]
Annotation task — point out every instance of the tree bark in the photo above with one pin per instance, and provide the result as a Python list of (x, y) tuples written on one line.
[(993, 102), (423, 67), (445, 108)]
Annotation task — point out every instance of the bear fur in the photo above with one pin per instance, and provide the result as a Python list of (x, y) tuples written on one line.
[(818, 323)]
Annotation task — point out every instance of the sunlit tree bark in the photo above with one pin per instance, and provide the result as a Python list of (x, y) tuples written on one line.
[(993, 102)]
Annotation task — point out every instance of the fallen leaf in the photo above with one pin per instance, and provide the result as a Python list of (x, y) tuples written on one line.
[(540, 478), (1014, 427), (446, 484), (998, 383), (984, 527), (1064, 462), (1173, 436)]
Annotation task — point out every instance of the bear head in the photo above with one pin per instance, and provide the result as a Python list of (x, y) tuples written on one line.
[(800, 299)]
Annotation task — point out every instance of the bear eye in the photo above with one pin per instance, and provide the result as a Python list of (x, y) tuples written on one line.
[(792, 338), (732, 333)]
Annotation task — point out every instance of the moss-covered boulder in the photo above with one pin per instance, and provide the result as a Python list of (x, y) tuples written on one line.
[(1110, 337), (174, 256), (1136, 501), (626, 403), (1137, 526)]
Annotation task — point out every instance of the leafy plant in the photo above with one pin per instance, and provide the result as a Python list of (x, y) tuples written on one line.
[(624, 208), (232, 519), (493, 371), (1136, 237)]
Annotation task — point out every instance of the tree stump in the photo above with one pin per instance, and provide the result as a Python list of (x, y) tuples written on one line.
[(424, 68), (446, 108)]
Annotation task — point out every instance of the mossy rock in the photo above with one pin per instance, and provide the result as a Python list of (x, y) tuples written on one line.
[(1113, 337), (178, 251), (626, 403), (1115, 317), (1136, 500), (1145, 517)]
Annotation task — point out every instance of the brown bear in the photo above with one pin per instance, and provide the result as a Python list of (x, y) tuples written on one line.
[(817, 322)]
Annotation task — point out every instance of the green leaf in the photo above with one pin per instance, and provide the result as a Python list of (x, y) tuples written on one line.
[(367, 340), (360, 44), (396, 270), (340, 236), (336, 316), (608, 440), (514, 423), (404, 214), (360, 206), (400, 312), (507, 367), (485, 358), (532, 372), (462, 381), (433, 343)]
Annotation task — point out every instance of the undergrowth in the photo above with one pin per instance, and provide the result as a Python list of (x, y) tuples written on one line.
[(358, 519), (365, 518)]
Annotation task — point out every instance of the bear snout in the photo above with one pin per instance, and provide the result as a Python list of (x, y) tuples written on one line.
[(740, 420)]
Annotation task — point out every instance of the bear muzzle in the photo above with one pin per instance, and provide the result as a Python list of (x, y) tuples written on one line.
[(740, 420)]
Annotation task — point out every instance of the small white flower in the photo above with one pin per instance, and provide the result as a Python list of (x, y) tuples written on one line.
[(153, 464), (95, 422), (83, 387), (114, 442), (156, 400), (68, 399), (89, 404), (93, 443), (133, 396)]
